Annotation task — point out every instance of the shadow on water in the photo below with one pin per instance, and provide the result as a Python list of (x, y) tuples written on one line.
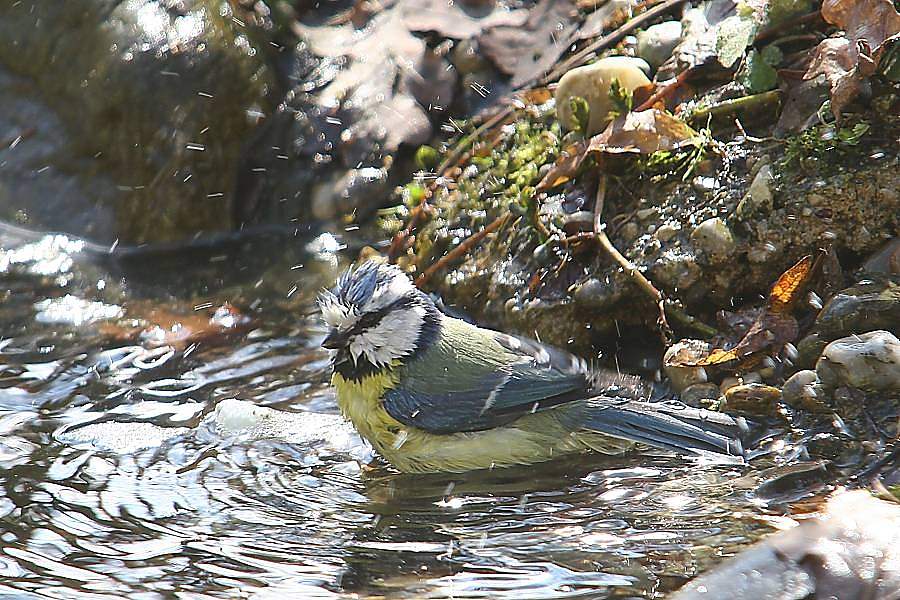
[(154, 502)]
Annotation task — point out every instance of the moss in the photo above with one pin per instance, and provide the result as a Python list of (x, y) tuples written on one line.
[(823, 145)]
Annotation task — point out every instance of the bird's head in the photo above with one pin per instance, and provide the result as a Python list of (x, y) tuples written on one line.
[(376, 316)]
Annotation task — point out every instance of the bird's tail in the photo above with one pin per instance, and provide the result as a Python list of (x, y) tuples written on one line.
[(668, 425)]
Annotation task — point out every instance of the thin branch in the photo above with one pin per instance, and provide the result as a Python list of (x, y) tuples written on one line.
[(608, 40), (461, 250), (629, 267)]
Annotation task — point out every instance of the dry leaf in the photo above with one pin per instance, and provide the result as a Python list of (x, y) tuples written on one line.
[(773, 328), (643, 132), (789, 288), (387, 69), (527, 53), (848, 62), (459, 20), (564, 168), (873, 21)]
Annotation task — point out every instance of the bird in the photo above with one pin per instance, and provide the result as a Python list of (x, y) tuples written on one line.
[(432, 393)]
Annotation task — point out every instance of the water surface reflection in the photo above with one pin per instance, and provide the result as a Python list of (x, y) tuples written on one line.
[(117, 482)]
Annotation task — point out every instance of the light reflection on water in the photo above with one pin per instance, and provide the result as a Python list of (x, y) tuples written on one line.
[(184, 511)]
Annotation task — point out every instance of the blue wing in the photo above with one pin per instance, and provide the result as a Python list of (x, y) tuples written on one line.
[(483, 380)]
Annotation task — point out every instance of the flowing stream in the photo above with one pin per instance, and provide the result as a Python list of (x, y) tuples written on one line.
[(116, 480)]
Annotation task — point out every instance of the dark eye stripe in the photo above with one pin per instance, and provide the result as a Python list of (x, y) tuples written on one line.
[(372, 320)]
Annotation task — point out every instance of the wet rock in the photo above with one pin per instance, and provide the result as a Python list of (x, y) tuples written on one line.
[(886, 261), (685, 351), (760, 196), (714, 239), (130, 117), (700, 394), (809, 349), (592, 82), (752, 398), (852, 550), (241, 418), (868, 305), (868, 361), (802, 389), (667, 231), (655, 44)]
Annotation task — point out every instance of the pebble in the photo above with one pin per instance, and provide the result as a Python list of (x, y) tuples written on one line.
[(753, 398), (646, 213), (592, 82), (868, 361), (868, 305), (700, 394), (683, 351), (714, 239), (802, 389), (667, 231), (655, 44), (760, 197)]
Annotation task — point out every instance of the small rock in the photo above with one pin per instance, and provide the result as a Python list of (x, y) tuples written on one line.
[(676, 269), (700, 394), (802, 389), (809, 349), (592, 82), (869, 305), (868, 361), (732, 381), (667, 231), (655, 44), (752, 398), (685, 351), (714, 238), (647, 213), (594, 294), (851, 550), (582, 220), (886, 260), (630, 231), (760, 197)]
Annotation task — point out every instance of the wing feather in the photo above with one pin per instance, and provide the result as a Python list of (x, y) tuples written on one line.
[(483, 379)]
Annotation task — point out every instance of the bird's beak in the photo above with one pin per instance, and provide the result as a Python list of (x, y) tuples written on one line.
[(335, 340)]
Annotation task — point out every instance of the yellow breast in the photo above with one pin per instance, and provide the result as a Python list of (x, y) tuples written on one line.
[(360, 403), (533, 438)]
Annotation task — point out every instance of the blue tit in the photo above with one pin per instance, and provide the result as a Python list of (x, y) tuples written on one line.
[(432, 393)]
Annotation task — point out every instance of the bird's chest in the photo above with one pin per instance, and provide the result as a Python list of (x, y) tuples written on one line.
[(360, 403)]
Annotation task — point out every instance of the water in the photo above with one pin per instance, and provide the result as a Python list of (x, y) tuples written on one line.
[(152, 501)]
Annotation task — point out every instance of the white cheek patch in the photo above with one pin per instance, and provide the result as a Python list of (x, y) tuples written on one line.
[(393, 338), (337, 315)]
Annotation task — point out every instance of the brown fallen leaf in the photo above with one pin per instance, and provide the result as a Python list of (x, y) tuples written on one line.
[(526, 53), (459, 20), (565, 167), (643, 132), (772, 329), (154, 327), (872, 21), (847, 62), (383, 76), (788, 290)]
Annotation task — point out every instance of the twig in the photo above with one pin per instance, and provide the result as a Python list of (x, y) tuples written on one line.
[(608, 40), (736, 105), (771, 32), (630, 269), (461, 250), (664, 92)]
